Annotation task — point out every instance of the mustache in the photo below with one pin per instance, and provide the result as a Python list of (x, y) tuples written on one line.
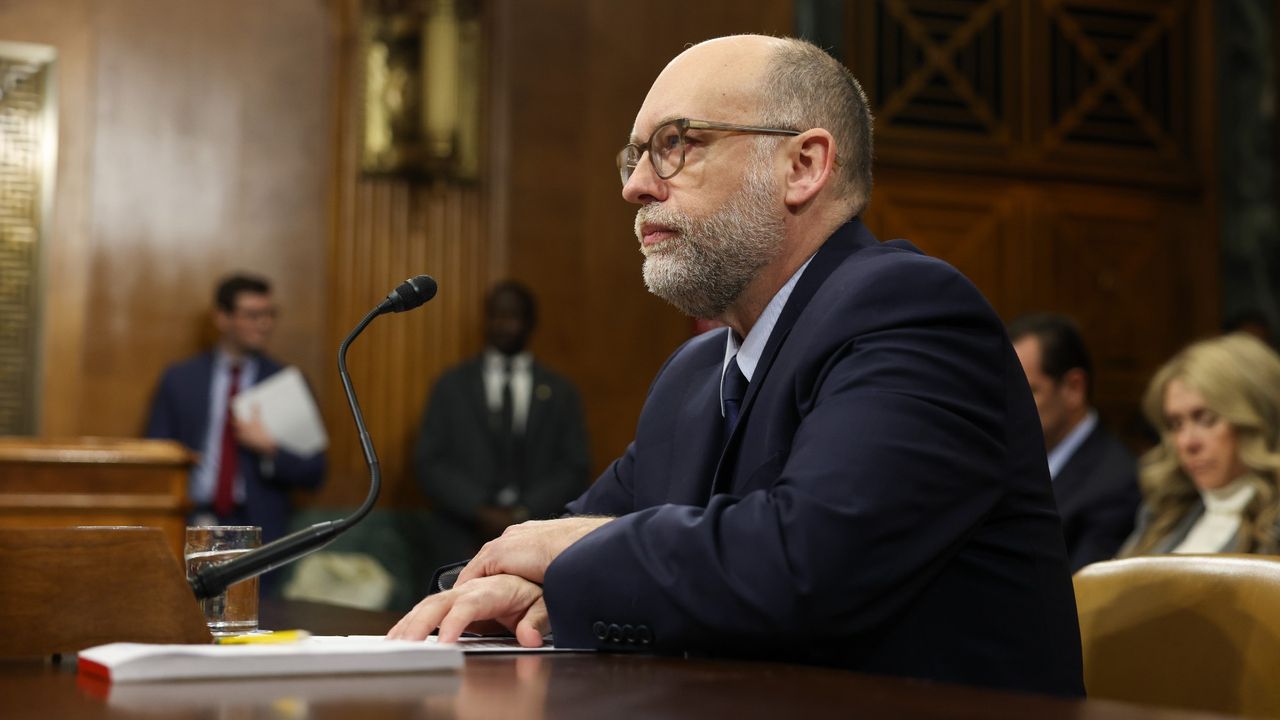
[(655, 213)]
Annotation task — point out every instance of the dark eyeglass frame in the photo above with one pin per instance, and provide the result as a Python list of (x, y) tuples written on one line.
[(629, 156)]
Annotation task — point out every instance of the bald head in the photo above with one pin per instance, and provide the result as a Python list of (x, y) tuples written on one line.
[(775, 82), (715, 80)]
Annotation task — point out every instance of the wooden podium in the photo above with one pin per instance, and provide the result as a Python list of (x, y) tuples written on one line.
[(66, 589), (95, 481)]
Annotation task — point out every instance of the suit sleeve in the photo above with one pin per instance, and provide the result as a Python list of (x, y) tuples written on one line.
[(1111, 517), (286, 468), (547, 495), (441, 474), (162, 421), (896, 458)]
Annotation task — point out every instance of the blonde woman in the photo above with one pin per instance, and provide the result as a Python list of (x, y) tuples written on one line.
[(1211, 484)]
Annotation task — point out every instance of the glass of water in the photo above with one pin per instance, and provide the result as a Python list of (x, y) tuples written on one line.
[(235, 610)]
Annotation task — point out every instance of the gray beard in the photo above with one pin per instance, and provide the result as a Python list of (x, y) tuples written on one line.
[(705, 267)]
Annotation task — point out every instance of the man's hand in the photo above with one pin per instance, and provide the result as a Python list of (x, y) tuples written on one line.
[(527, 549), (513, 602), (253, 434)]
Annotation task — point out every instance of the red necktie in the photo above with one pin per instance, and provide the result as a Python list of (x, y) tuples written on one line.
[(224, 501)]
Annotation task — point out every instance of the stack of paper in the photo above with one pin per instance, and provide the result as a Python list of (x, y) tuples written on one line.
[(133, 662)]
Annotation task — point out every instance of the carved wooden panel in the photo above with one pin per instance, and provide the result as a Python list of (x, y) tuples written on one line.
[(941, 68), (1079, 88)]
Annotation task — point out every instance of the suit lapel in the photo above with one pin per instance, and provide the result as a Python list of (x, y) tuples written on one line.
[(696, 444), (476, 398), (203, 392), (539, 395), (847, 240)]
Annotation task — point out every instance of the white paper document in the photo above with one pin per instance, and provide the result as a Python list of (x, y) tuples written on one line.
[(470, 644), (288, 411), (135, 662)]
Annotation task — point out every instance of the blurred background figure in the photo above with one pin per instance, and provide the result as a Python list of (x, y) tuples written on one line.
[(1252, 321), (503, 438), (242, 476), (1211, 484), (1094, 476)]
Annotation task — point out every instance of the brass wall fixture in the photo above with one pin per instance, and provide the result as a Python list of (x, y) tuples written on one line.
[(423, 69)]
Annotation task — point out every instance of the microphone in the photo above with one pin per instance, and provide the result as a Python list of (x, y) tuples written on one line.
[(213, 579), (409, 294)]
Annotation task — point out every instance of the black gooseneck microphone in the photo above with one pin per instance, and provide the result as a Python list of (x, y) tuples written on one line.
[(212, 580)]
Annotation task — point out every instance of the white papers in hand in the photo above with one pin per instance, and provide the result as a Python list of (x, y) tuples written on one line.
[(288, 412)]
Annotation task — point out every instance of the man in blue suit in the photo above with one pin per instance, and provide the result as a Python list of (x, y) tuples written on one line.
[(1095, 479), (852, 474), (242, 477)]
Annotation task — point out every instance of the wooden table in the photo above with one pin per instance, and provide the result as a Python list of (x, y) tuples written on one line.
[(595, 686)]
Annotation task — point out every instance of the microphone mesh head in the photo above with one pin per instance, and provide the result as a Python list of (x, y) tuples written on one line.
[(412, 292)]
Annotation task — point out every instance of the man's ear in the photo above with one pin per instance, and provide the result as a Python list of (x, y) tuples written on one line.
[(221, 321), (811, 162), (1076, 383)]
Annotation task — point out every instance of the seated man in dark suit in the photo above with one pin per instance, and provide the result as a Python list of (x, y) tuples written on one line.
[(850, 474), (242, 477), (502, 439), (1095, 479)]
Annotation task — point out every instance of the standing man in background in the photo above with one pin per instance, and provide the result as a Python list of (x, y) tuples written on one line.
[(503, 438), (242, 476), (1095, 479)]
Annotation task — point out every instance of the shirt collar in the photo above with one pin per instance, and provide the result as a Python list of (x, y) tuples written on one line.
[(222, 362), (496, 362), (750, 348), (1062, 453)]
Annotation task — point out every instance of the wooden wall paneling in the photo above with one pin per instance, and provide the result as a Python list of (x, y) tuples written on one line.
[(1120, 87), (977, 224), (384, 230), (1130, 267), (208, 156), (946, 80), (67, 25)]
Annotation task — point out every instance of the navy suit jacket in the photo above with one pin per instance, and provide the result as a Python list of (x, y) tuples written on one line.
[(1098, 498), (180, 411), (883, 504)]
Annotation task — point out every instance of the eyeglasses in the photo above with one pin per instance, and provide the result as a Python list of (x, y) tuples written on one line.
[(667, 144)]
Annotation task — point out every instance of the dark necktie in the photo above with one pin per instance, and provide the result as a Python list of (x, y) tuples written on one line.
[(732, 389), (224, 500), (509, 441)]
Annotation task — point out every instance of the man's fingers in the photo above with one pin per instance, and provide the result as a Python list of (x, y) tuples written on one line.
[(534, 625), (479, 566), (460, 616), (422, 619)]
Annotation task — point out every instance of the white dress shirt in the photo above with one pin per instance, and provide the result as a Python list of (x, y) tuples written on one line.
[(1061, 454), (1223, 512), (495, 374), (204, 478), (750, 348)]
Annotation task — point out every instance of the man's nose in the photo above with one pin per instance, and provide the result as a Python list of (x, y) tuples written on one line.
[(644, 186)]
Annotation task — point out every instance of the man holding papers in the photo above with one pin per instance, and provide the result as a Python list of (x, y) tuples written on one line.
[(851, 474), (244, 473)]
